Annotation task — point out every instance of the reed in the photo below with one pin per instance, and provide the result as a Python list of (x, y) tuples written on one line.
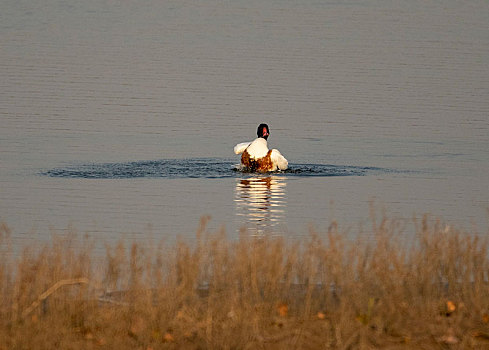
[(326, 291)]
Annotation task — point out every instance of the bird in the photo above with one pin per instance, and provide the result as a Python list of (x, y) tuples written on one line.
[(255, 155)]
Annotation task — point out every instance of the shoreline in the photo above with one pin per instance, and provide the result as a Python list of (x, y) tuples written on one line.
[(268, 292)]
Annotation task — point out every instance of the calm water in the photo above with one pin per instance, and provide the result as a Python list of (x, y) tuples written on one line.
[(119, 118)]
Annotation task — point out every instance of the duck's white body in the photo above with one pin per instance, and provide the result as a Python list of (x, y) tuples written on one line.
[(258, 151)]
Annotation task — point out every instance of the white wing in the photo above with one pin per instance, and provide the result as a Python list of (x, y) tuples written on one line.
[(278, 159), (240, 147)]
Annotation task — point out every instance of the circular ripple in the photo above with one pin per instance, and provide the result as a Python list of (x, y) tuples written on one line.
[(196, 168)]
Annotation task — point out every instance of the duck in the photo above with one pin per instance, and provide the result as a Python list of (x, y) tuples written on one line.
[(255, 155)]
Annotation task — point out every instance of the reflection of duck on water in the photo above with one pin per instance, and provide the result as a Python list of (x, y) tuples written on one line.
[(255, 156), (261, 200)]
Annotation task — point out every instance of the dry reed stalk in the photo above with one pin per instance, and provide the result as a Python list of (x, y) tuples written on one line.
[(51, 290)]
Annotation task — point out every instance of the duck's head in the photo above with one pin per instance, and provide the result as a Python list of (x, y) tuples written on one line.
[(263, 131)]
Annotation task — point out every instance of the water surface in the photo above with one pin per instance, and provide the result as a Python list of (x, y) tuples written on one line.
[(119, 118)]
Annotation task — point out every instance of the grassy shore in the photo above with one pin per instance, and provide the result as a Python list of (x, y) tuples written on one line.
[(326, 291)]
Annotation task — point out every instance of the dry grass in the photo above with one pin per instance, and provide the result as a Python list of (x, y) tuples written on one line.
[(267, 293)]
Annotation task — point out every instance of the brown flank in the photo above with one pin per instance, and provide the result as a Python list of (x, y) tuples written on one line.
[(261, 165)]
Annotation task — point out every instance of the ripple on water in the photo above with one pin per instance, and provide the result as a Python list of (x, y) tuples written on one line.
[(196, 168)]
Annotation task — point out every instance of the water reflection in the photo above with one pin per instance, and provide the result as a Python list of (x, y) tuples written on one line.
[(261, 202)]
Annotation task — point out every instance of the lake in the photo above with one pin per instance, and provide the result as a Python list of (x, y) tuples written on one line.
[(119, 118)]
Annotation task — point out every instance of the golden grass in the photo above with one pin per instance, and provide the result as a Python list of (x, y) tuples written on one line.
[(326, 291)]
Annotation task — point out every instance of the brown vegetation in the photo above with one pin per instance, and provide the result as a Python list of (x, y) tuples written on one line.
[(252, 293)]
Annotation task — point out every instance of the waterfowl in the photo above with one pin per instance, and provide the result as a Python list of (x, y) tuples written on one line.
[(255, 155)]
